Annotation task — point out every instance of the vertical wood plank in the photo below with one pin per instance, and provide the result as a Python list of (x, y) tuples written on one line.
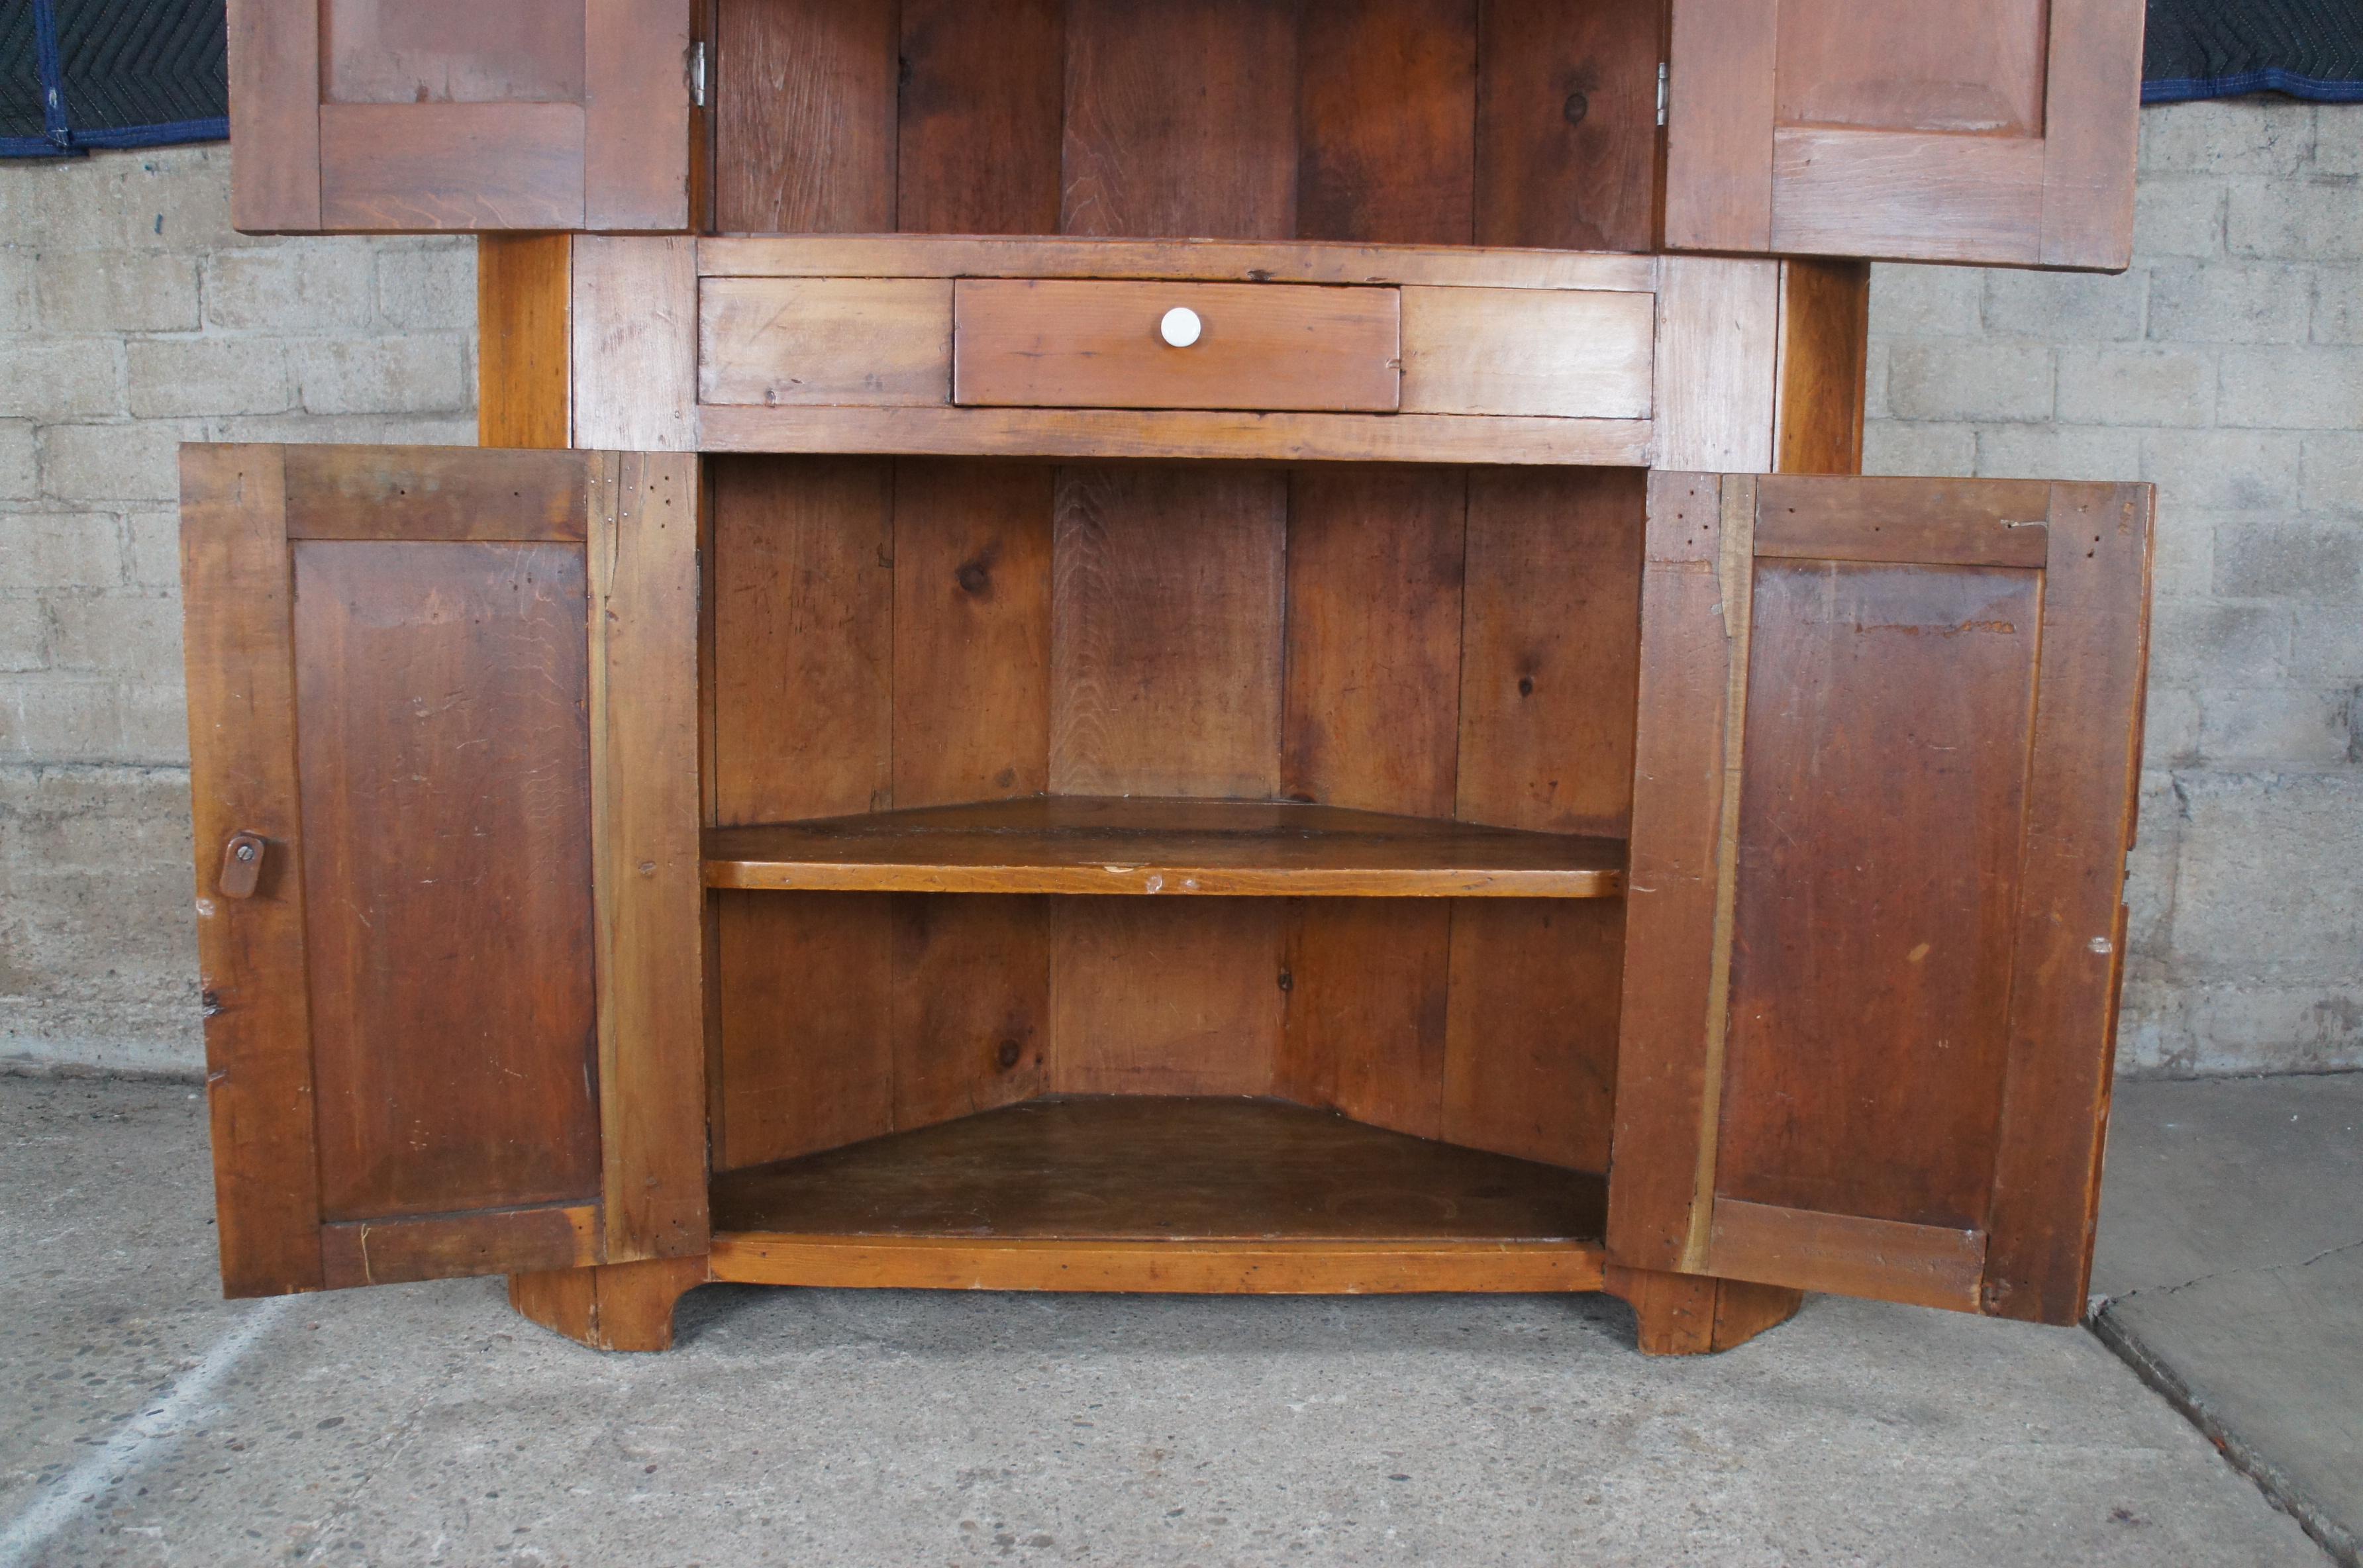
[(983, 90), (2091, 132), (1154, 996), (2082, 783), (972, 1007), (636, 344), (1550, 648), (1366, 983), (1824, 359), (274, 94), (1385, 109), (1719, 125), (804, 104), (635, 116), (1531, 1033), (804, 638), (972, 631), (1166, 634), (1567, 124), (241, 648), (1718, 350), (808, 1048), (524, 378), (1693, 644), (647, 874), (1181, 119)]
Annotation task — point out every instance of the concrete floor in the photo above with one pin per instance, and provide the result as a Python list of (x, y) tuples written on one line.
[(142, 1420)]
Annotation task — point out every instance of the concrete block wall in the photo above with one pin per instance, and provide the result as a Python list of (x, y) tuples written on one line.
[(132, 319), (2226, 368)]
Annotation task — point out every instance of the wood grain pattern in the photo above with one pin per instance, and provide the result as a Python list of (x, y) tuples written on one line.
[(1566, 353), (424, 493), (2068, 948), (636, 116), (1373, 703), (451, 166), (1386, 96), (1693, 1314), (1363, 1027), (805, 106), (1085, 845), (449, 52), (456, 1247), (1924, 1265), (1907, 196), (2093, 132), (524, 373), (238, 636), (1054, 342), (442, 685), (1996, 523), (1719, 125), (1718, 355), (1531, 1029), (972, 631), (803, 626), (636, 344), (1824, 365), (787, 341), (1567, 124), (984, 91), (1170, 434), (1166, 634), (1978, 71), (644, 873), (274, 94), (805, 1004), (971, 1010), (1165, 997), (621, 1307), (1156, 148)]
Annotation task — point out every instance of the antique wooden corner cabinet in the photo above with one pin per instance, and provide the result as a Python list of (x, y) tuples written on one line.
[(1219, 645)]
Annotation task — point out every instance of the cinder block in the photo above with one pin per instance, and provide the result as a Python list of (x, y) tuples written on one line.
[(2222, 471), (2337, 143), (88, 819), (1926, 302), (2170, 737), (366, 429), (2330, 473), (2149, 870), (2291, 389), (2313, 1028), (2271, 877), (16, 273), (2261, 557), (24, 637), (2137, 386), (1969, 380), (2178, 217), (2229, 302), (114, 462), (2198, 643), (2067, 307), (60, 377), (118, 634), (2337, 304), (407, 375), (431, 288), (2297, 220), (49, 717), (2325, 645), (296, 286), (1903, 447), (153, 551), (198, 376), (2059, 452), (141, 292), (2232, 136), (2277, 726), (20, 468), (2183, 550), (50, 549)]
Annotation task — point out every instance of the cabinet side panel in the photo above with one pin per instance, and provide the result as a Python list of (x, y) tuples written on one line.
[(972, 1008), (1180, 118), (1531, 1037), (443, 690), (1567, 124), (238, 635), (1164, 996), (806, 1056), (983, 88), (1386, 107), (804, 100)]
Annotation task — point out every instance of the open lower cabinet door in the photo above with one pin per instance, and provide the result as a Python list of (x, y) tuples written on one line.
[(444, 756), (1889, 741)]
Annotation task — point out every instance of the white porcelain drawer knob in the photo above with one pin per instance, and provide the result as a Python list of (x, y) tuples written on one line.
[(1181, 326)]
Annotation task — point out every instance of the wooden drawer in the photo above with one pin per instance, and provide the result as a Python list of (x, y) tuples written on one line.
[(1067, 343)]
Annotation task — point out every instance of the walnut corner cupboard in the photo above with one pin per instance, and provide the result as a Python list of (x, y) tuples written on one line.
[(1213, 645)]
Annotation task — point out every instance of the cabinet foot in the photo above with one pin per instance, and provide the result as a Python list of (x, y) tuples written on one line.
[(1691, 1314), (610, 1307)]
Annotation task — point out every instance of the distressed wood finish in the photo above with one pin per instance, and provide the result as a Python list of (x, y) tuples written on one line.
[(619, 1307), (774, 342), (1558, 353), (635, 329), (1566, 123)]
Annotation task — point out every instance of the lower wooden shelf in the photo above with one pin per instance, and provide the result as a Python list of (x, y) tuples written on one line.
[(1152, 1194), (1067, 844)]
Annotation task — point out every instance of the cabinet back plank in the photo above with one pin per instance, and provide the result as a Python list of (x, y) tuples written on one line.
[(984, 89), (1386, 96), (804, 95), (1567, 119)]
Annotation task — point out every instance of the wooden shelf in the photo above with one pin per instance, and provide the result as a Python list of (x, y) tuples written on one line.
[(1088, 845), (1140, 1193)]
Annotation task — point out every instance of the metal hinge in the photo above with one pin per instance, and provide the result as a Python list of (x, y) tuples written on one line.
[(1662, 73), (697, 79)]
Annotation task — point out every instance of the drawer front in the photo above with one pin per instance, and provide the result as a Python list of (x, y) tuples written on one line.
[(1540, 353), (1088, 344), (824, 342)]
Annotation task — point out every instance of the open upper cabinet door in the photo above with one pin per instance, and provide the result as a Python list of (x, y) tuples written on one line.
[(444, 758), (1888, 743), (470, 116), (2002, 133)]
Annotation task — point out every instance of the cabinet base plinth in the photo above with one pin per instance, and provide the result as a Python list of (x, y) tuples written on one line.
[(1694, 1314), (610, 1307)]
